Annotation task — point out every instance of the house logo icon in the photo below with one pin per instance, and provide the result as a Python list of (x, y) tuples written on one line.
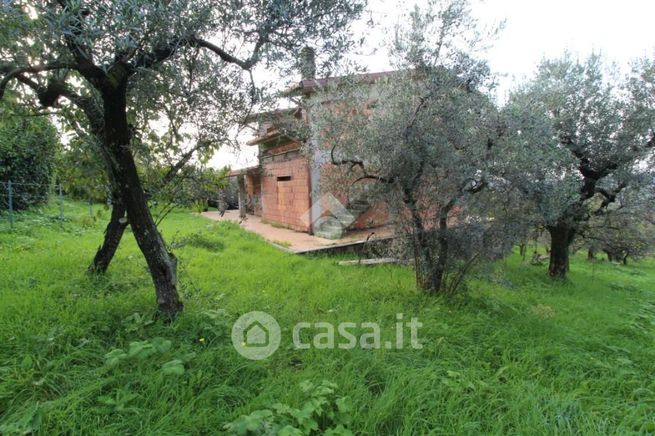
[(328, 217), (256, 335)]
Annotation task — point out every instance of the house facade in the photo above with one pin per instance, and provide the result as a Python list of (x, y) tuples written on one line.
[(293, 184)]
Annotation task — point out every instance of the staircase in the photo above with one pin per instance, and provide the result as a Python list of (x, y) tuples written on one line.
[(358, 207), (332, 227)]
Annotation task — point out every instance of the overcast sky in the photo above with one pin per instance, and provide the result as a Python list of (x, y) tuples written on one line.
[(621, 30)]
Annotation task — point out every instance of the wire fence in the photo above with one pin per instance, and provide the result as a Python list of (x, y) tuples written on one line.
[(25, 205), (17, 199)]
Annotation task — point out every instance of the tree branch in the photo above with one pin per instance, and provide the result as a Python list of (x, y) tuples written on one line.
[(13, 73), (162, 53), (227, 57), (49, 94), (175, 168), (609, 197), (82, 55)]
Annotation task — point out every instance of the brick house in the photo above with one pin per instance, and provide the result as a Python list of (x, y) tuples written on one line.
[(289, 186)]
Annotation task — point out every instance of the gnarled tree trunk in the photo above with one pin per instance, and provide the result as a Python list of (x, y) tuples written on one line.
[(118, 221), (561, 237), (430, 269), (442, 254), (113, 235), (161, 263), (422, 250)]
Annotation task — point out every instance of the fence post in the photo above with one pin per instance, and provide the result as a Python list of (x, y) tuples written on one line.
[(10, 194), (61, 204), (91, 208)]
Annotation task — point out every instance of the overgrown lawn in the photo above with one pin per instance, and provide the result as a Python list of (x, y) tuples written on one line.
[(519, 354)]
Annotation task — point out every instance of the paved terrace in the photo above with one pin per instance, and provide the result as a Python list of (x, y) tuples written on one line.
[(297, 242)]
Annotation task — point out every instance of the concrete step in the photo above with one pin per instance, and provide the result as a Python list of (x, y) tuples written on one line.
[(357, 204), (344, 217), (357, 212), (335, 227), (329, 233), (358, 207), (331, 229)]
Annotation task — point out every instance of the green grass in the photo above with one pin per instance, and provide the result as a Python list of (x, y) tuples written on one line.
[(519, 354)]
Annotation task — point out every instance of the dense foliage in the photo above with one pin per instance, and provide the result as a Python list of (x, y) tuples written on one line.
[(81, 171), (96, 59), (425, 137), (195, 187), (28, 148), (561, 154), (577, 138)]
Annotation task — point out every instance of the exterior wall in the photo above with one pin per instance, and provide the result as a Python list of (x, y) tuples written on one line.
[(338, 181), (254, 193), (292, 179), (285, 187), (376, 216)]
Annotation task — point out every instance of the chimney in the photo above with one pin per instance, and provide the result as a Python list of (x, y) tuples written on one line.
[(307, 63)]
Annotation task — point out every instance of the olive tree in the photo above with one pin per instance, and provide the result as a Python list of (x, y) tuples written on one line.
[(198, 116), (422, 139), (627, 228), (93, 53), (576, 139)]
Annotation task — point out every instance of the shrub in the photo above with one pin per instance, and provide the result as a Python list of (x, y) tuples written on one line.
[(28, 146)]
